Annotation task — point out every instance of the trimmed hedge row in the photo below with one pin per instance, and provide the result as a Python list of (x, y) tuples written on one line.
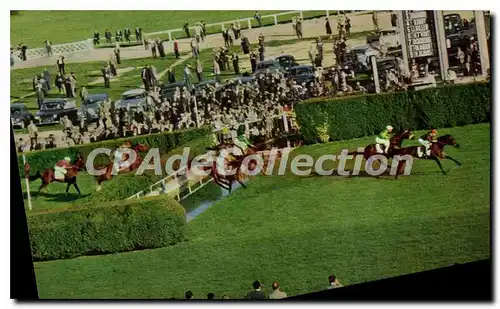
[(117, 227), (359, 116), (43, 159)]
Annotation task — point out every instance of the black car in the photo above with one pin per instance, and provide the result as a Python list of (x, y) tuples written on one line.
[(90, 106), (168, 90), (301, 74), (20, 115), (287, 61), (52, 110), (268, 65)]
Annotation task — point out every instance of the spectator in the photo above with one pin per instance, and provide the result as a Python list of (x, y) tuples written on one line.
[(256, 293), (334, 282), (48, 47), (60, 65), (176, 49), (117, 53), (199, 70), (24, 48), (277, 293), (189, 295), (186, 29), (96, 38), (258, 18), (328, 28), (210, 296)]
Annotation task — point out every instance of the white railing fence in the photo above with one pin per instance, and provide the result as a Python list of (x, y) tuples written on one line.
[(246, 23)]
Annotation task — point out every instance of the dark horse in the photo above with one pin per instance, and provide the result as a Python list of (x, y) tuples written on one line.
[(108, 175), (395, 143), (436, 152), (48, 176)]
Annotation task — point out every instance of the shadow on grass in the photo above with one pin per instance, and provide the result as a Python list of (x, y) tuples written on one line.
[(57, 197)]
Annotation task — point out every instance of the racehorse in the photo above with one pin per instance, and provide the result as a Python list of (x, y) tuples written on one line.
[(436, 152), (395, 143), (48, 176), (108, 175)]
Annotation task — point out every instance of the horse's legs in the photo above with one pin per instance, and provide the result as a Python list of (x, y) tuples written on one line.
[(439, 164), (67, 188), (458, 163), (241, 182), (77, 189)]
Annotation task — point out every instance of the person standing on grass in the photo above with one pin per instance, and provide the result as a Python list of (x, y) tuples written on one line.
[(117, 53), (60, 65), (170, 76), (186, 30), (137, 34), (176, 49), (59, 82), (375, 20), (153, 50), (299, 28), (328, 27), (24, 48), (258, 18), (126, 33), (253, 61), (48, 47), (236, 65), (107, 36), (105, 77), (347, 26), (216, 70), (33, 133), (46, 76), (199, 70), (96, 38)]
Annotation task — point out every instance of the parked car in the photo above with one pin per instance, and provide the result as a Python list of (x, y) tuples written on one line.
[(167, 90), (52, 110), (91, 105), (287, 61), (301, 74), (358, 58), (271, 65), (19, 115), (388, 37), (132, 95)]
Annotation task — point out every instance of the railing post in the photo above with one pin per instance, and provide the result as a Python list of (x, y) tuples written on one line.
[(170, 36), (275, 19), (301, 16), (327, 13), (249, 23)]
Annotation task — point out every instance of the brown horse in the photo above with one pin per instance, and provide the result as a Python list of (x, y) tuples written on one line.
[(48, 176), (395, 143), (108, 175), (436, 152)]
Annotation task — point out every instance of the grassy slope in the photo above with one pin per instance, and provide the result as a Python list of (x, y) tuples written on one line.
[(300, 230)]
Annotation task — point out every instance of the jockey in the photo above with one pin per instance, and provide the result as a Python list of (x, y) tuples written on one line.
[(242, 142), (61, 168), (427, 139), (384, 138), (120, 155)]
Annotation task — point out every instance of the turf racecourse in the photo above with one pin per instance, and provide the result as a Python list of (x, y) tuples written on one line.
[(299, 230)]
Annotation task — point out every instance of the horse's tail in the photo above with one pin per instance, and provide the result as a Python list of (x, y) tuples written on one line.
[(35, 177)]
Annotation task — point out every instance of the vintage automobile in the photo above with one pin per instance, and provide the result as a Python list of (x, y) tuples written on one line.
[(388, 37), (168, 90), (90, 106), (358, 58), (287, 61), (19, 115), (301, 74), (52, 110), (132, 95), (271, 65)]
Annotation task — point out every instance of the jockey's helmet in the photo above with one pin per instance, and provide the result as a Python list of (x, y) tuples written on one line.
[(389, 128), (67, 159), (434, 131), (126, 145)]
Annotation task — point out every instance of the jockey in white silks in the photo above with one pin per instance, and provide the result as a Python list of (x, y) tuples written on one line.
[(119, 155)]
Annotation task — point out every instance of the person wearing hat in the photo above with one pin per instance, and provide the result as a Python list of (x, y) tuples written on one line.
[(384, 138), (427, 139), (60, 169)]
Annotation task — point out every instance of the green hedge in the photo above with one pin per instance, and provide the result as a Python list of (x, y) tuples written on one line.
[(40, 160), (358, 116), (117, 227)]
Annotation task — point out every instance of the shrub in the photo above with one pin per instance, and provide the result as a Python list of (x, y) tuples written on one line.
[(43, 159), (118, 226), (358, 116)]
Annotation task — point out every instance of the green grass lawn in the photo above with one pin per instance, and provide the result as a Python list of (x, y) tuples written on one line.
[(300, 230), (34, 27)]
